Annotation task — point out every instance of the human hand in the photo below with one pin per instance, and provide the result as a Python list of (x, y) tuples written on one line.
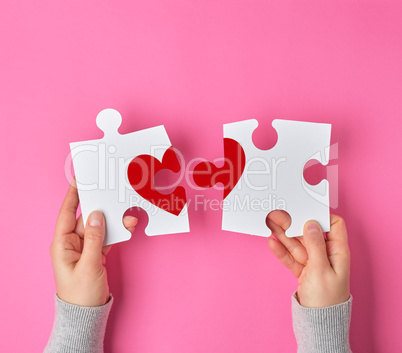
[(78, 255), (321, 266)]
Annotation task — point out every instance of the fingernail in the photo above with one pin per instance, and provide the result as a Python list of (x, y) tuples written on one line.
[(95, 219), (313, 226)]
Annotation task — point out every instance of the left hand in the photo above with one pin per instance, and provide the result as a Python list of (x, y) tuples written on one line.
[(78, 255)]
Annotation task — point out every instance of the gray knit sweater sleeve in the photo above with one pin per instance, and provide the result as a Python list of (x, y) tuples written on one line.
[(78, 329), (320, 330)]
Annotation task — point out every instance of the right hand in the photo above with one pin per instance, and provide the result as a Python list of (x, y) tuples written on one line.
[(321, 266)]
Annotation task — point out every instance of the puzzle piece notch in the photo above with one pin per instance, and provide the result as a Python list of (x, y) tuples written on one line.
[(314, 172), (297, 143), (265, 136), (207, 174), (101, 172)]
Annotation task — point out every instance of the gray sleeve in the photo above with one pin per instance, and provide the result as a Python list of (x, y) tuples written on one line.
[(319, 330), (78, 329)]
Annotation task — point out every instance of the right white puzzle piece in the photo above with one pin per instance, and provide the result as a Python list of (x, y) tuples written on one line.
[(273, 179)]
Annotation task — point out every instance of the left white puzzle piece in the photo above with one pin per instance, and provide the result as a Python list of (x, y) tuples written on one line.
[(117, 172)]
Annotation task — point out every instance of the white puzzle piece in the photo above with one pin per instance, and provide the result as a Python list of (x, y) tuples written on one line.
[(101, 173), (273, 179)]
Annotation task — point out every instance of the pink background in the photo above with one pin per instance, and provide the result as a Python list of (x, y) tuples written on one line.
[(194, 65)]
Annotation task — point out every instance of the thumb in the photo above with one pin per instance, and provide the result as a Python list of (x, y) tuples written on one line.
[(94, 234), (315, 244)]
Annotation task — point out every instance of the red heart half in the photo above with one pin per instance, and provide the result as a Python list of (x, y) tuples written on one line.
[(207, 174), (141, 175)]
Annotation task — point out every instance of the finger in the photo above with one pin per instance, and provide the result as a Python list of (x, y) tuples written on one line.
[(337, 245), (301, 239), (338, 230), (279, 250), (315, 244), (106, 249), (130, 222), (94, 235), (103, 260), (281, 218), (79, 228), (68, 211), (294, 246)]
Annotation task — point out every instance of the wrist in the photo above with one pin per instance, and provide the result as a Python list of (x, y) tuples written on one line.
[(84, 299), (321, 300)]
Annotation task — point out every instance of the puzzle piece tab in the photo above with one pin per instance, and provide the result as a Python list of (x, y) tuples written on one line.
[(101, 169)]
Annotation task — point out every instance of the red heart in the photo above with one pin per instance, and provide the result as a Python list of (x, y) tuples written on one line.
[(207, 174), (141, 175)]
